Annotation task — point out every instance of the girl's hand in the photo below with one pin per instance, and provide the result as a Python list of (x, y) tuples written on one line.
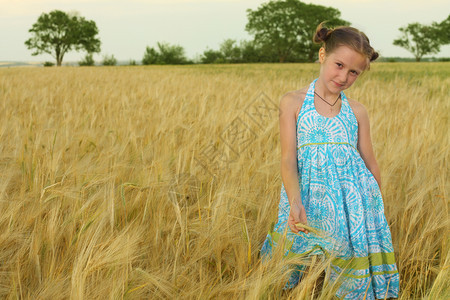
[(297, 215)]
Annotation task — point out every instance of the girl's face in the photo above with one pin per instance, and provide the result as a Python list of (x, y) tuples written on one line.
[(341, 68)]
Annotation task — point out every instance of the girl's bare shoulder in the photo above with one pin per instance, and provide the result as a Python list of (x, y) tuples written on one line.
[(293, 100), (358, 108)]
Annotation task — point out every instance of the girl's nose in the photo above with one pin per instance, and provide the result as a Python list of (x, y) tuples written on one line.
[(343, 77)]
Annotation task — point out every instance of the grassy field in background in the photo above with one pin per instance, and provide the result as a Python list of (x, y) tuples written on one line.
[(161, 182)]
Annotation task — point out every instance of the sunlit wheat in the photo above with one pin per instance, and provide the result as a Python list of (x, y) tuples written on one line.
[(121, 182)]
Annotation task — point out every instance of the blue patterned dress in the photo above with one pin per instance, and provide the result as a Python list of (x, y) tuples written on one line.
[(343, 201)]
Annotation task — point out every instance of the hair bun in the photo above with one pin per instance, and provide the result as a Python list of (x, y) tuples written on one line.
[(322, 34), (374, 56)]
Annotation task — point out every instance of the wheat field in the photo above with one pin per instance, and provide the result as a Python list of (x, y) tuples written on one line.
[(161, 182)]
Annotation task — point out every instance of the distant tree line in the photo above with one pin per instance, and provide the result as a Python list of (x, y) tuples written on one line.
[(282, 32)]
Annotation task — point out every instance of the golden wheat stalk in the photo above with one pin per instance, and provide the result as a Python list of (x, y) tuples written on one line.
[(309, 228)]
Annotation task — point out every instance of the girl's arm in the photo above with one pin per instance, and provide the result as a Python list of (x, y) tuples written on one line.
[(365, 143), (289, 170), (288, 139)]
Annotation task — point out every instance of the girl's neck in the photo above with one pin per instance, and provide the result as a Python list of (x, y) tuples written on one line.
[(324, 92)]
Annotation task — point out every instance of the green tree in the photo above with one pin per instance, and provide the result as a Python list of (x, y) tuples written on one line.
[(251, 52), (230, 50), (419, 39), (211, 56), (109, 60), (286, 27), (443, 31), (88, 60), (57, 33), (166, 54), (171, 54), (151, 56)]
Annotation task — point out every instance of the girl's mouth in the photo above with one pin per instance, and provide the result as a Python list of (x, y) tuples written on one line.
[(337, 84)]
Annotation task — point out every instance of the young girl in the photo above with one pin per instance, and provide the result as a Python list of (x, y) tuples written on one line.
[(331, 180)]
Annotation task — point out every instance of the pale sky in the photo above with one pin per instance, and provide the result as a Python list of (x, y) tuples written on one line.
[(126, 27)]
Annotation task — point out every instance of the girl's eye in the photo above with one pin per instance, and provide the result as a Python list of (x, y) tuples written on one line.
[(339, 65), (355, 73)]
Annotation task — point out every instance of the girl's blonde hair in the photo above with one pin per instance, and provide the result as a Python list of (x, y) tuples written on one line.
[(331, 39)]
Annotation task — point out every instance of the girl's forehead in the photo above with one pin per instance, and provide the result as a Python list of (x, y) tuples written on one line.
[(350, 57)]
